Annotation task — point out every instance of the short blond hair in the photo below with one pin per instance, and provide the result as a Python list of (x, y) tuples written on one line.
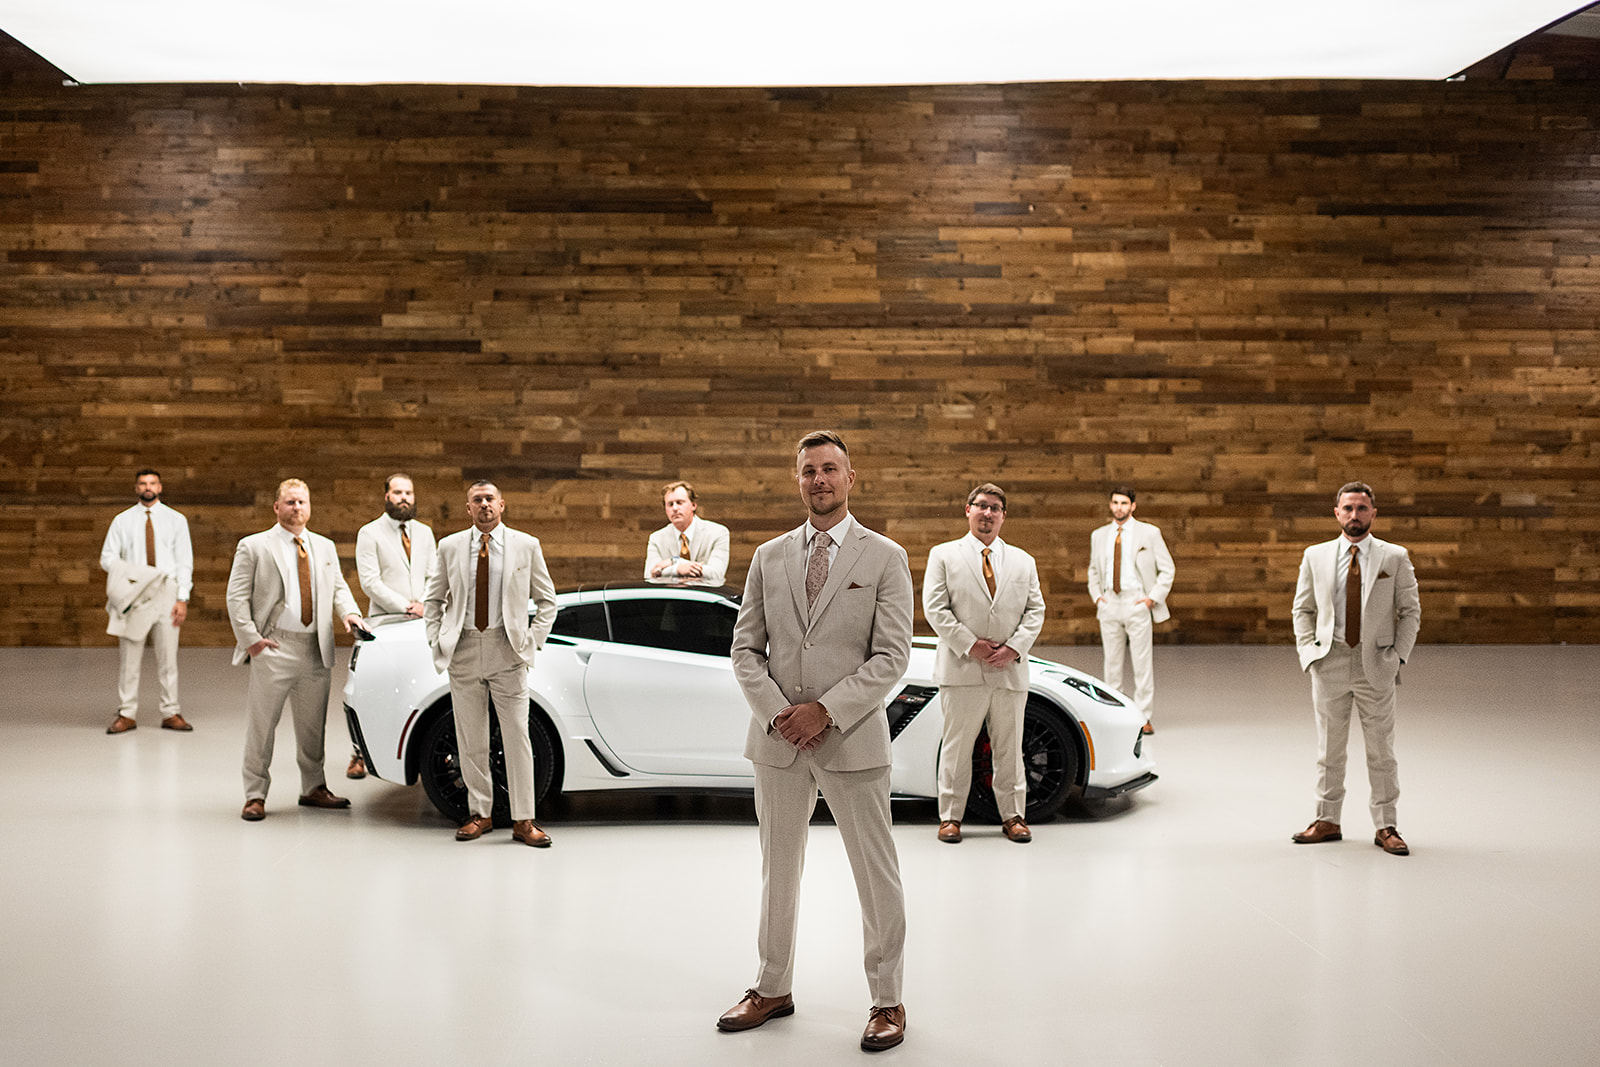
[(291, 483)]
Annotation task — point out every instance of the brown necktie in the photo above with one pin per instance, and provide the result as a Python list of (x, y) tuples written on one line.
[(988, 572), (817, 569), (1352, 599), (480, 609), (405, 541), (1116, 564), (149, 539), (305, 582), (683, 546)]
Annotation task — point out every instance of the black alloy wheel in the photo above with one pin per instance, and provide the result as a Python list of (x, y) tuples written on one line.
[(1050, 762), (440, 766)]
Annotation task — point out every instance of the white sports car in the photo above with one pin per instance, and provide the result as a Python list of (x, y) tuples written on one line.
[(634, 690)]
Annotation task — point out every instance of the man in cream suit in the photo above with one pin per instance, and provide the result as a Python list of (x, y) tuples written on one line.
[(394, 554), (477, 618), (284, 592), (982, 598), (147, 546), (823, 636), (1356, 617), (1130, 575), (688, 547)]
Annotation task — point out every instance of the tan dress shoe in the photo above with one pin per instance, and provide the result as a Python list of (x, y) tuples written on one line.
[(121, 725), (474, 828), (1317, 833), (176, 722), (320, 797), (754, 1010), (886, 1028), (255, 809), (1390, 841), (1017, 830), (357, 768), (1147, 729), (950, 832), (529, 832)]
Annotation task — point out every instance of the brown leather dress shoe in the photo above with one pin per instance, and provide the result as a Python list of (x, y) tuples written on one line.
[(1148, 729), (475, 827), (1317, 833), (255, 810), (1017, 830), (950, 832), (1390, 841), (121, 725), (529, 832), (320, 797), (886, 1028), (754, 1010), (176, 722), (357, 768)]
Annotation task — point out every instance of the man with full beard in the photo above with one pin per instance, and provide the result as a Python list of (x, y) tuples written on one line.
[(394, 556)]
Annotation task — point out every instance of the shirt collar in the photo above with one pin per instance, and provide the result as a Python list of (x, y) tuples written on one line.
[(972, 542), (494, 534), (837, 533)]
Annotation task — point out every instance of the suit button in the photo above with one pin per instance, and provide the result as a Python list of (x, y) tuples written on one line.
[(806, 645)]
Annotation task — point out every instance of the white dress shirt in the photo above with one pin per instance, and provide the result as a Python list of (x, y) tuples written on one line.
[(174, 554), (497, 559), (1131, 585), (970, 543), (283, 544), (1342, 578), (837, 534)]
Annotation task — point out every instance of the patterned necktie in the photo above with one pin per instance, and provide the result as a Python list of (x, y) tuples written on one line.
[(683, 546), (480, 602), (305, 581), (988, 573), (1352, 599), (405, 542), (149, 539), (1116, 564), (817, 569)]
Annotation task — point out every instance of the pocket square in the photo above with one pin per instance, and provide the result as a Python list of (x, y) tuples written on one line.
[(855, 585), (1382, 576)]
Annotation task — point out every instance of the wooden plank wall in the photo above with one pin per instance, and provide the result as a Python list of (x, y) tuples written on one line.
[(1234, 295)]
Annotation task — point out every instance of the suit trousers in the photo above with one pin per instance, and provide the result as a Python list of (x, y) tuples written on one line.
[(966, 709), (163, 639), (1125, 627), (484, 669), (294, 672), (859, 801), (1338, 685)]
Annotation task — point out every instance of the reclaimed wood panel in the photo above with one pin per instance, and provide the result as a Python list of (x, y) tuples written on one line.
[(1234, 295)]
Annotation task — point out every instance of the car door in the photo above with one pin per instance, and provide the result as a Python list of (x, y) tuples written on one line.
[(662, 694)]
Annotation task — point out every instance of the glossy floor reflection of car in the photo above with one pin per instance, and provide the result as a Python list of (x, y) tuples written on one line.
[(144, 923)]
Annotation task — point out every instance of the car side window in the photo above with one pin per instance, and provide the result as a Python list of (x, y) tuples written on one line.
[(587, 621), (698, 626)]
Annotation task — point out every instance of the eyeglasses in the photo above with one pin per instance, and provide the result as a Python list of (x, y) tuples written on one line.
[(996, 508)]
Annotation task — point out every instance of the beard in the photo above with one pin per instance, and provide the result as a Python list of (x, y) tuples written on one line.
[(400, 512), (149, 496), (1355, 529)]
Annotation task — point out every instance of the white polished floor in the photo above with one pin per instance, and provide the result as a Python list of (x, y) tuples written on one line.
[(144, 923)]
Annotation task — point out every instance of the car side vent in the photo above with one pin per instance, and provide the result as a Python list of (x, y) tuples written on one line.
[(907, 706)]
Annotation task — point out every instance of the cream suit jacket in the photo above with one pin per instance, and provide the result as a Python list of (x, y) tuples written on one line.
[(391, 581), (708, 546), (257, 588), (523, 578), (956, 601), (848, 652), (1391, 610), (1151, 560)]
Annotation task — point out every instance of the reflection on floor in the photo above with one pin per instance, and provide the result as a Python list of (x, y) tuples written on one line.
[(144, 923)]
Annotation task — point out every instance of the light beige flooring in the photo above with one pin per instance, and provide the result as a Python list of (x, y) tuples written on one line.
[(144, 923)]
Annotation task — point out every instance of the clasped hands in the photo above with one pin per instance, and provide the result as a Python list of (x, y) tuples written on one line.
[(995, 655), (802, 725)]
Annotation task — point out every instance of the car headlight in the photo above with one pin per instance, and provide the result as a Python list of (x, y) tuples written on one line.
[(1089, 689)]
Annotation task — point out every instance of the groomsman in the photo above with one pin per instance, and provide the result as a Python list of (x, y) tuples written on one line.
[(477, 609), (687, 546), (1356, 617), (981, 596), (1130, 575), (149, 567), (284, 592), (394, 555)]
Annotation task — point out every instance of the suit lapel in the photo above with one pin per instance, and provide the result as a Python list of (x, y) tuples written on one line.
[(277, 561), (843, 561), (974, 568)]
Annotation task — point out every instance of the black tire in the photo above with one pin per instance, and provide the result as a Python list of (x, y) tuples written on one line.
[(440, 769), (1050, 760)]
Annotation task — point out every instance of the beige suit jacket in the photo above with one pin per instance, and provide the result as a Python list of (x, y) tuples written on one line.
[(1391, 608), (1151, 560), (848, 652), (708, 546), (390, 580), (956, 601), (525, 588), (257, 594)]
